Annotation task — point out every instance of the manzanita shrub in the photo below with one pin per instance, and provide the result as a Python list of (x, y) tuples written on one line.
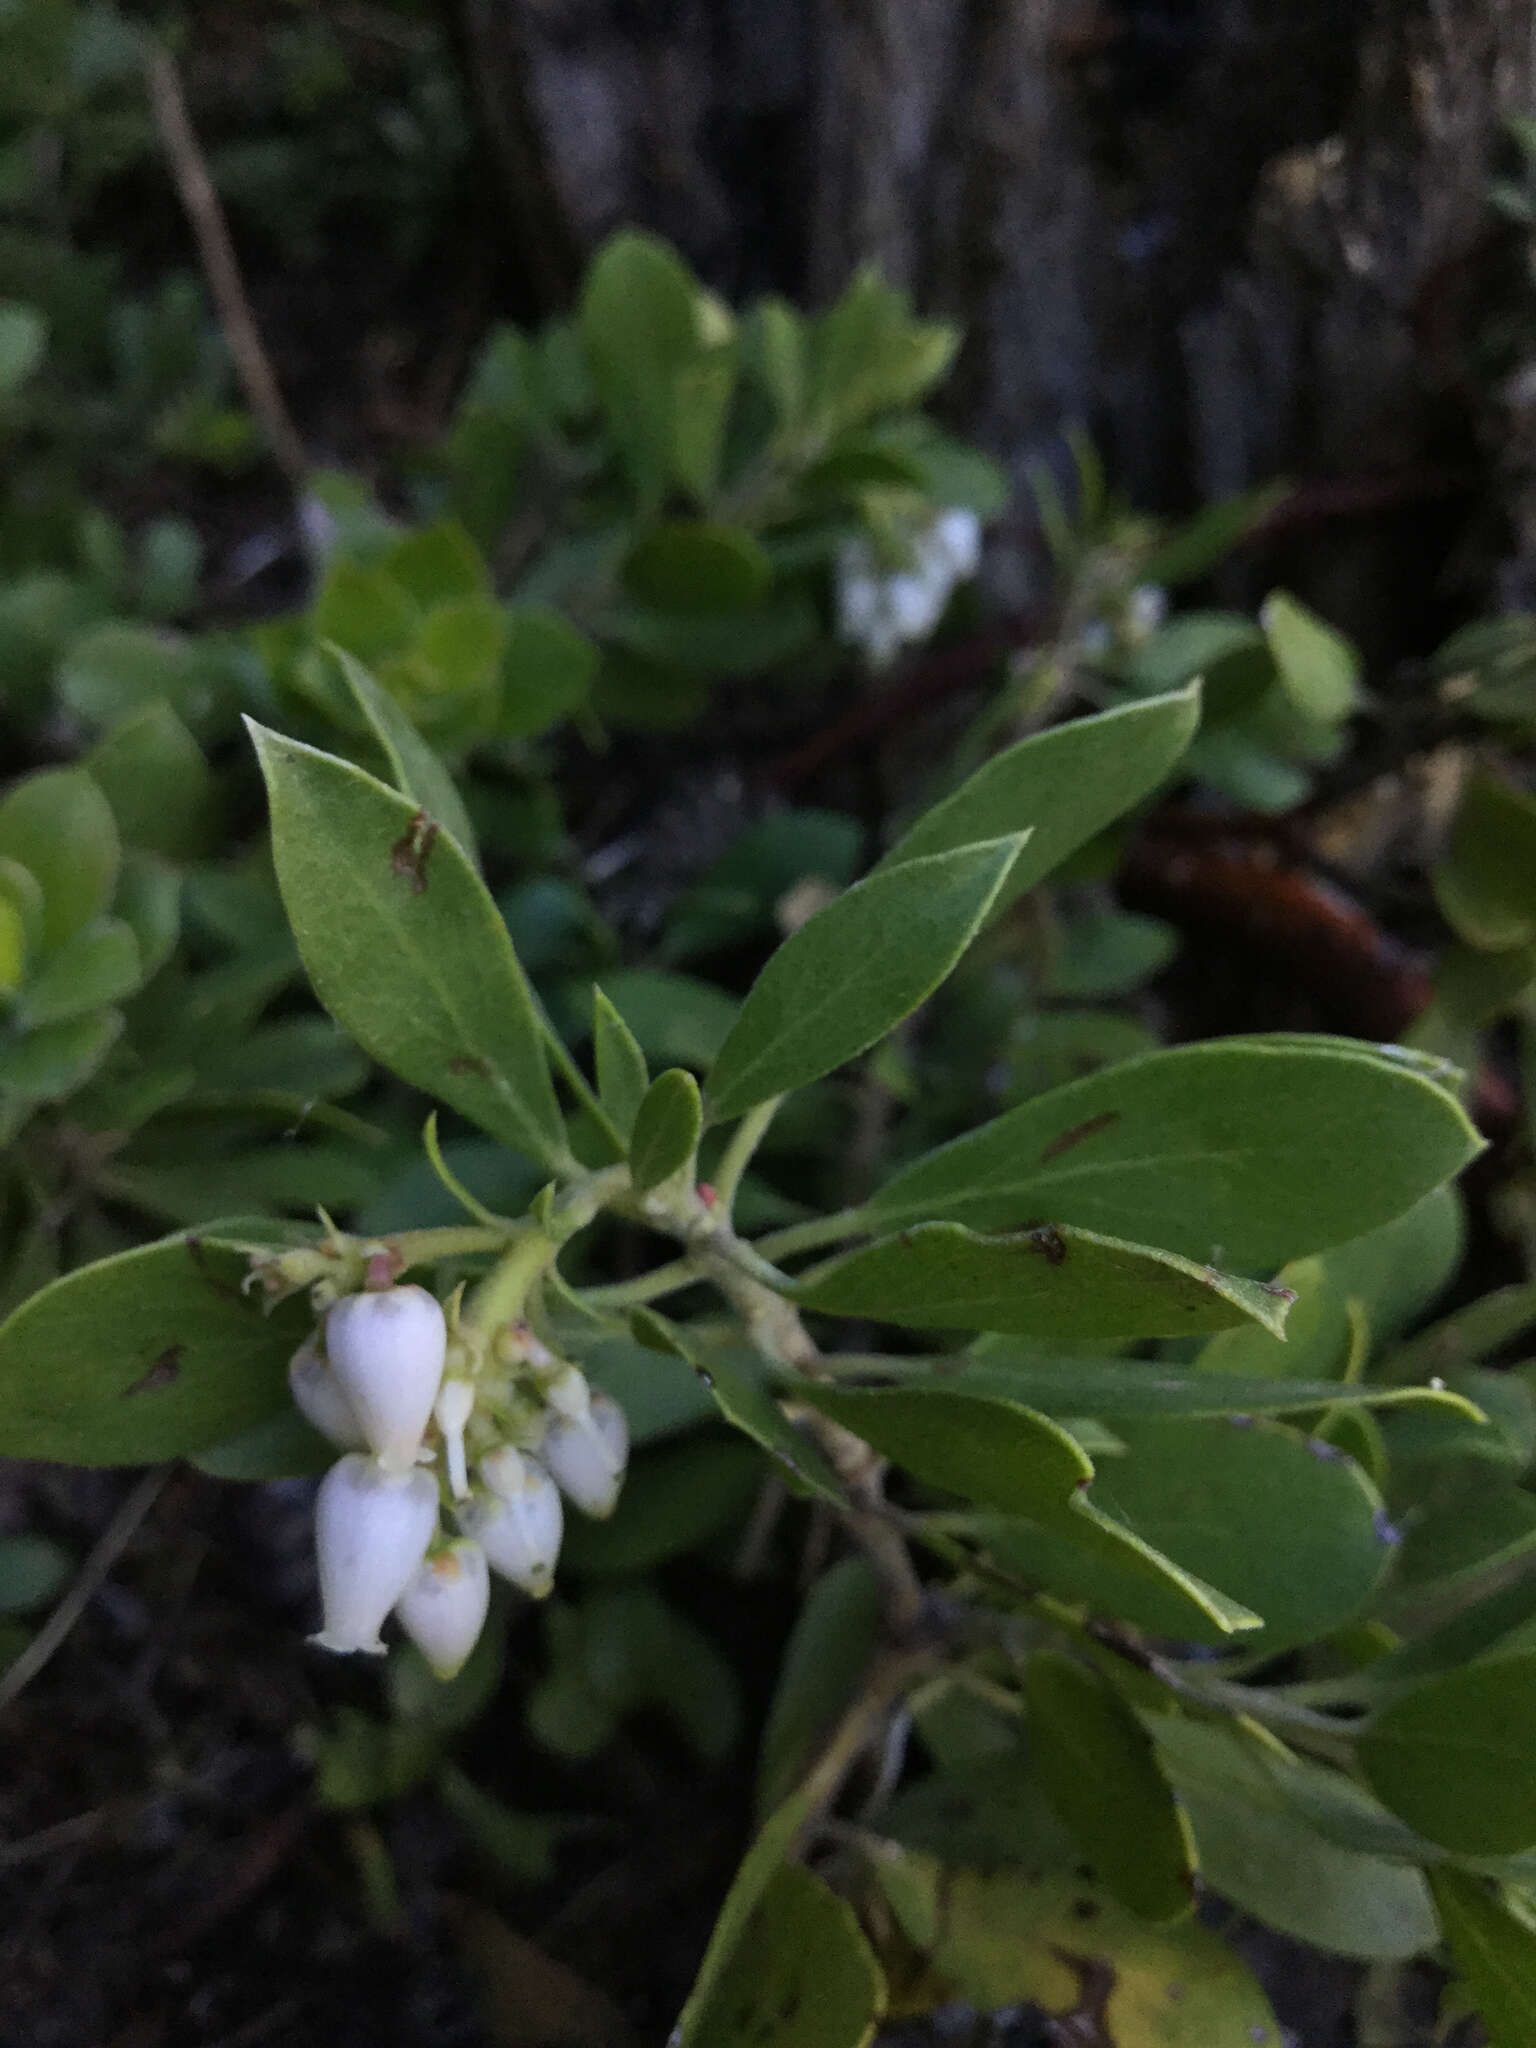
[(1178, 1563)]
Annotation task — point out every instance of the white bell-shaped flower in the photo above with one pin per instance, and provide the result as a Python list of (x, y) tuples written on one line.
[(588, 1457), (518, 1522), (318, 1396), (372, 1529), (958, 532), (443, 1609), (387, 1349)]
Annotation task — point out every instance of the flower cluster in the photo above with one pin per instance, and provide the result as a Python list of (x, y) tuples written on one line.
[(882, 613), (439, 1421)]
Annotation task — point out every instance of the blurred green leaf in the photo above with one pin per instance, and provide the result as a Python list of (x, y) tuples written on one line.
[(1452, 1756)]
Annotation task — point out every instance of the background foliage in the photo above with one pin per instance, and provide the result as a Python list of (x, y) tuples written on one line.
[(627, 707)]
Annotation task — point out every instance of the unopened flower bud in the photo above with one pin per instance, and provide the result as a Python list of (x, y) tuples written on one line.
[(318, 1396), (519, 1522), (569, 1395), (455, 1404), (443, 1609), (372, 1528), (588, 1457), (387, 1350)]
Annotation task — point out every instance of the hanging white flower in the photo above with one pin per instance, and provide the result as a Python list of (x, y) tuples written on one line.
[(587, 1456), (387, 1348), (372, 1529), (444, 1606), (318, 1396), (518, 1521)]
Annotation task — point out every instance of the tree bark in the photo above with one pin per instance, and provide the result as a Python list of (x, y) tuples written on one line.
[(1232, 240)]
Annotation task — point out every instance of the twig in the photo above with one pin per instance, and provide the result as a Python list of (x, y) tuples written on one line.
[(110, 1545), (189, 169)]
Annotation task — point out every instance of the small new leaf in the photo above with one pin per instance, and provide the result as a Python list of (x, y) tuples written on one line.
[(666, 1133)]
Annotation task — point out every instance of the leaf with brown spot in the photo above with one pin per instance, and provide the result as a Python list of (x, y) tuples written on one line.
[(149, 1323)]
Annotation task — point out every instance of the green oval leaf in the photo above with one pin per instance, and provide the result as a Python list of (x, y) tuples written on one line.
[(993, 1452), (1064, 786), (1101, 1773), (58, 824), (1285, 1525), (854, 970), (547, 669), (99, 965), (1319, 670), (405, 947), (1453, 1757), (1486, 885), (1256, 1849), (697, 565), (161, 790), (49, 1064), (153, 1354), (666, 1133), (1044, 1283), (1246, 1149)]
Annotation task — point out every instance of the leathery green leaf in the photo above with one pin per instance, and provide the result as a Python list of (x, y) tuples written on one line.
[(990, 1451), (1285, 1525), (667, 1126), (1252, 1150), (1059, 1940), (1452, 1757), (1043, 1283), (854, 970), (1101, 1773), (153, 1354), (1494, 1954), (404, 945), (1256, 1850), (800, 1976), (1063, 786), (994, 1452)]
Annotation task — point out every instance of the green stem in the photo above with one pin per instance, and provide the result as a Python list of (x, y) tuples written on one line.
[(737, 1156), (452, 1241), (502, 1294), (816, 1231), (667, 1279)]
